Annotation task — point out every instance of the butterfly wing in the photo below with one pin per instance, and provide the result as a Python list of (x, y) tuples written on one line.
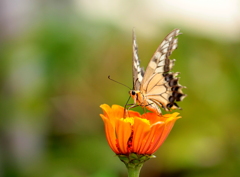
[(165, 90), (137, 71), (159, 85), (160, 61)]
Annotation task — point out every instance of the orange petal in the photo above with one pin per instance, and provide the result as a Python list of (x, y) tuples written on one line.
[(118, 111), (106, 109), (110, 134), (156, 138), (150, 138), (164, 134), (123, 132), (133, 114), (152, 117), (140, 131)]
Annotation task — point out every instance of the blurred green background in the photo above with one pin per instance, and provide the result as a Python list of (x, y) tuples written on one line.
[(55, 59)]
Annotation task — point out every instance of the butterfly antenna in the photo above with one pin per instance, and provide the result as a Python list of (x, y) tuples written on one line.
[(125, 112), (125, 107), (118, 82)]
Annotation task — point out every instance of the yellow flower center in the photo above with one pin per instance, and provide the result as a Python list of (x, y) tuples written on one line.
[(131, 120), (128, 119)]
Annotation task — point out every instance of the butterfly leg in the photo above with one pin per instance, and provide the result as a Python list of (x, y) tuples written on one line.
[(144, 110), (152, 107), (127, 109), (145, 107)]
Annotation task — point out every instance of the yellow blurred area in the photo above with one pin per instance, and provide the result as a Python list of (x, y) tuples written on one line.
[(55, 60)]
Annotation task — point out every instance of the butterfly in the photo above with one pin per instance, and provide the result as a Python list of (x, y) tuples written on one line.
[(157, 87)]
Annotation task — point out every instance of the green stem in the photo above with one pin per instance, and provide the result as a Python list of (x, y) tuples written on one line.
[(134, 171), (134, 162)]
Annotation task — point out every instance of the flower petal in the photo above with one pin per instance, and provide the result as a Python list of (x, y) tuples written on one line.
[(133, 114), (117, 111), (140, 131), (150, 138), (106, 109), (152, 117), (156, 138), (123, 132), (110, 133), (164, 131)]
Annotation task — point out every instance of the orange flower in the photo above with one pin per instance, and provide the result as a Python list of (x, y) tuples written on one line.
[(139, 134)]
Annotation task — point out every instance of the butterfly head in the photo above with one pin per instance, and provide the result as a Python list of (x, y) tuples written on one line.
[(134, 95)]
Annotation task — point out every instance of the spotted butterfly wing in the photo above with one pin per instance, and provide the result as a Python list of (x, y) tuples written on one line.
[(157, 87)]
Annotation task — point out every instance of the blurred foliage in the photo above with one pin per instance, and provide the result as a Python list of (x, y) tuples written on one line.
[(54, 77)]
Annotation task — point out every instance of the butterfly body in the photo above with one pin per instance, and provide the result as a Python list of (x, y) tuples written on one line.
[(141, 100), (157, 86)]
